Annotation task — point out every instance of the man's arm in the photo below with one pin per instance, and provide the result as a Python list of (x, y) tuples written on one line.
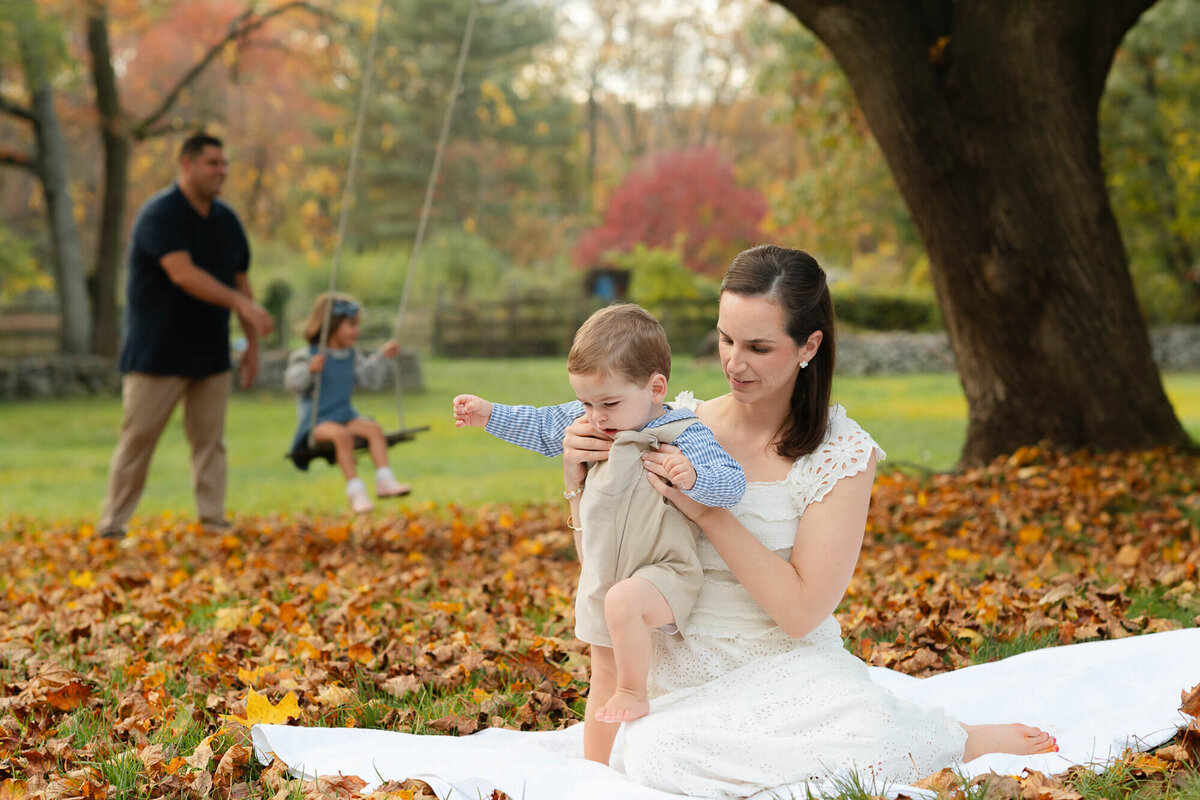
[(248, 366), (203, 286)]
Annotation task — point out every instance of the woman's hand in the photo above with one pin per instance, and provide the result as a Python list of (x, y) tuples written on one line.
[(660, 465), (581, 446)]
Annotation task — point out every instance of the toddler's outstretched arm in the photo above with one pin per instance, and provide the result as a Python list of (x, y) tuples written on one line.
[(471, 411)]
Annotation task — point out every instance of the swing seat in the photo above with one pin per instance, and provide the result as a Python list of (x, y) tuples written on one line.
[(304, 454)]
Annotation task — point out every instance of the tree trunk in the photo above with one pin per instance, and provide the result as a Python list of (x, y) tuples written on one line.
[(987, 114), (76, 331), (118, 145)]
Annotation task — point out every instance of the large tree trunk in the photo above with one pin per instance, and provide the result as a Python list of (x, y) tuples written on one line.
[(987, 114), (114, 131), (76, 331)]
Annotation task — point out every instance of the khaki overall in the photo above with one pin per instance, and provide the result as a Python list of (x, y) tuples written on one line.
[(630, 530)]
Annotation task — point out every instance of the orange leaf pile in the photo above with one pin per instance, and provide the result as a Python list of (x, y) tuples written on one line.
[(151, 655)]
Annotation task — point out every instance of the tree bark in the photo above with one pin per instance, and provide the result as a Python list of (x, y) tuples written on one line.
[(51, 167), (118, 146), (987, 114)]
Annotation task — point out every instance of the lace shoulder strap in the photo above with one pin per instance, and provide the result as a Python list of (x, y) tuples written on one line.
[(845, 452)]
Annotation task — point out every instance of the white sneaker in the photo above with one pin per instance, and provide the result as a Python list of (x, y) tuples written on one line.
[(360, 503), (390, 487)]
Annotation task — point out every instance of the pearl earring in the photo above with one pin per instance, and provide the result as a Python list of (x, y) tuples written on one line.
[(803, 364)]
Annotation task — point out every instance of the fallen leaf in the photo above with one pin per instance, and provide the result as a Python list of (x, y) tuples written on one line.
[(260, 711), (332, 695)]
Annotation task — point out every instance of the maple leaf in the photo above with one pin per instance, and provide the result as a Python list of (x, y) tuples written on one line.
[(401, 685), (333, 695), (152, 759), (998, 787), (202, 754), (236, 756), (1190, 704), (456, 724), (1036, 786), (13, 789), (340, 786), (260, 711), (943, 781)]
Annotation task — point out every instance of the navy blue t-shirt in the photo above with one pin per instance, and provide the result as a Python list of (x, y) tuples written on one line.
[(167, 331)]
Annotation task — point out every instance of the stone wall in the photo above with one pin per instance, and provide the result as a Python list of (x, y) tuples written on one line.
[(35, 377), (1176, 348)]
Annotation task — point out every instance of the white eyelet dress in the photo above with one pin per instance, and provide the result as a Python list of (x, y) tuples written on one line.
[(738, 706)]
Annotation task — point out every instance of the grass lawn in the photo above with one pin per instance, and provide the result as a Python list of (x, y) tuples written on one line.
[(54, 454), (126, 666)]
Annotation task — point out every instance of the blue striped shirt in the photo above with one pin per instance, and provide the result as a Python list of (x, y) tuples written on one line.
[(720, 481)]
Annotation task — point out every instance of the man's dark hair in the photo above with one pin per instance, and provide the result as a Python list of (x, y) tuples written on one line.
[(194, 145)]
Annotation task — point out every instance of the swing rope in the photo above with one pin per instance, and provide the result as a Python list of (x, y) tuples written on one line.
[(348, 190), (344, 213), (455, 89)]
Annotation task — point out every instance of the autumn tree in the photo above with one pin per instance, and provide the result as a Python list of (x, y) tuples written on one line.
[(688, 199), (657, 76), (39, 43), (503, 114), (836, 199), (1150, 139), (987, 114), (122, 128)]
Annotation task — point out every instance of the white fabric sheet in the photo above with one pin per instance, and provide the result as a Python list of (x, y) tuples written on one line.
[(1096, 698)]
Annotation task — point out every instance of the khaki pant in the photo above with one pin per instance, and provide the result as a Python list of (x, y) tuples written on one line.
[(148, 401)]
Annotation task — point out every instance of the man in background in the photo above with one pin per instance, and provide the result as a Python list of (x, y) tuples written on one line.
[(188, 262)]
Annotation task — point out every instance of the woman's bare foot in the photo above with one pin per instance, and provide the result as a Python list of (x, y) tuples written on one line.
[(624, 706), (1021, 740)]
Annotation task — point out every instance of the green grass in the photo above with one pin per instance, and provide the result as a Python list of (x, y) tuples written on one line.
[(55, 454)]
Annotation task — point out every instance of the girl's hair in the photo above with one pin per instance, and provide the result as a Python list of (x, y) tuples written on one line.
[(344, 307), (621, 339), (794, 280)]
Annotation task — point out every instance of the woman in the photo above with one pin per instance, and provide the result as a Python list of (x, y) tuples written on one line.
[(760, 692)]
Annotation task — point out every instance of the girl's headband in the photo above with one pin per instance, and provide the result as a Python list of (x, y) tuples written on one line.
[(345, 308)]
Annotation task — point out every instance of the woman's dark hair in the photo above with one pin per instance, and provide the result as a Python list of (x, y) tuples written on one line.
[(794, 280)]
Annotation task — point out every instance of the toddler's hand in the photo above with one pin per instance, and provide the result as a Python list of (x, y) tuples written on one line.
[(316, 363), (390, 349), (471, 410), (672, 465)]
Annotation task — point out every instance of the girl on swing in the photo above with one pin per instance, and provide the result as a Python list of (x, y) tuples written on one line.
[(342, 368)]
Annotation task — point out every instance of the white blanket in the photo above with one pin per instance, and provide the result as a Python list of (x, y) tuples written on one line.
[(1096, 698)]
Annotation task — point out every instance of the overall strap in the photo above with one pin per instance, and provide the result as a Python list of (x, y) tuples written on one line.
[(670, 431)]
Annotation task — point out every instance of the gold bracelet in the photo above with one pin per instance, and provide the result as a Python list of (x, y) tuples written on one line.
[(571, 519), (578, 490)]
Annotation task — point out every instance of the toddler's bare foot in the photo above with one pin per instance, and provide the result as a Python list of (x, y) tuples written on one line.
[(1021, 740), (624, 706)]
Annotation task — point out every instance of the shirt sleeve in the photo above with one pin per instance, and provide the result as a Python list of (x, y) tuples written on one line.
[(296, 377), (538, 429), (720, 480), (370, 372), (158, 232)]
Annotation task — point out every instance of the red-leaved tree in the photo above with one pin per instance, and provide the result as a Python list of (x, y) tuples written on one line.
[(679, 198)]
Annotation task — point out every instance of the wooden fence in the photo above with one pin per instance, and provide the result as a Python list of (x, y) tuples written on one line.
[(25, 332), (520, 327)]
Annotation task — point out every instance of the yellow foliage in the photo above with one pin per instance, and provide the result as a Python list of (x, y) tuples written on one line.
[(260, 711)]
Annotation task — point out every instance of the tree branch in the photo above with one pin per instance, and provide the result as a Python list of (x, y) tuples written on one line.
[(240, 27), (16, 158), (1109, 27), (16, 110)]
